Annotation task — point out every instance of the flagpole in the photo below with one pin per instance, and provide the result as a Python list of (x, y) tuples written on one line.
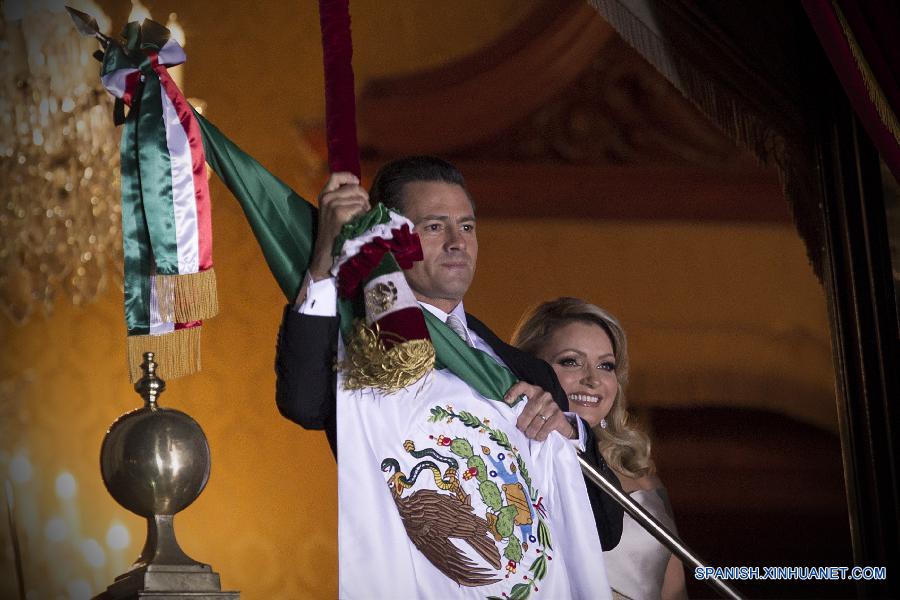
[(654, 527), (340, 99)]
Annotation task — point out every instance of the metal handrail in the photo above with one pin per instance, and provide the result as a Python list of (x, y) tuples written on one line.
[(655, 528)]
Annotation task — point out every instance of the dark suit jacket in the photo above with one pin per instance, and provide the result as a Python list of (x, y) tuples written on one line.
[(306, 393)]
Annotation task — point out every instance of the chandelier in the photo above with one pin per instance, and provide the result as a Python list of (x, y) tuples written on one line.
[(60, 222)]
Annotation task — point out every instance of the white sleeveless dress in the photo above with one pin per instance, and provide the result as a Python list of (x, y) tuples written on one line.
[(636, 567)]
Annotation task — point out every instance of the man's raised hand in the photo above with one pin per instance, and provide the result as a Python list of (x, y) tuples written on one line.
[(340, 200)]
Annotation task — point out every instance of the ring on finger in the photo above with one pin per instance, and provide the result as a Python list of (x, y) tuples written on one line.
[(545, 419)]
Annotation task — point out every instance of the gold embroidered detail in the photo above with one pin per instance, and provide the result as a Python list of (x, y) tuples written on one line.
[(381, 297), (369, 364)]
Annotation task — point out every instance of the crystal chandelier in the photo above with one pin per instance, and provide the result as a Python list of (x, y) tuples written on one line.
[(60, 223)]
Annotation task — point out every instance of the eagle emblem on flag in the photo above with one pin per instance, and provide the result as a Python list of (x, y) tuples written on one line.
[(479, 474)]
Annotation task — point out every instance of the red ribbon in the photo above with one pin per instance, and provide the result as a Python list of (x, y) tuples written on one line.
[(340, 100), (405, 246)]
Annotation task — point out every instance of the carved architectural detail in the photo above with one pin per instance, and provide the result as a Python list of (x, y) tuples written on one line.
[(619, 111)]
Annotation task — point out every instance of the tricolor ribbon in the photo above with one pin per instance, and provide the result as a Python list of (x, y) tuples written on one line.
[(373, 245), (166, 223), (363, 243), (386, 343)]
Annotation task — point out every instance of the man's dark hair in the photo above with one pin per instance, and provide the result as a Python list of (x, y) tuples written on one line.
[(387, 187)]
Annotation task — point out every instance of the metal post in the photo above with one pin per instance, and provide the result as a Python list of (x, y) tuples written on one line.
[(655, 528)]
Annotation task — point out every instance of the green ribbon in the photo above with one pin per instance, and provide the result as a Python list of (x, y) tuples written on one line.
[(156, 174), (477, 368), (136, 241)]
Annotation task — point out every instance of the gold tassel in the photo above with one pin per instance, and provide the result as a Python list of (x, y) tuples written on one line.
[(196, 296), (187, 298), (368, 364), (177, 353), (164, 291)]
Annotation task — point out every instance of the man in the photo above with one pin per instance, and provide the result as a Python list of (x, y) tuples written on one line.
[(432, 194)]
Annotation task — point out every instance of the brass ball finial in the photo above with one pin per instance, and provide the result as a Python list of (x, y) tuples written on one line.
[(155, 462)]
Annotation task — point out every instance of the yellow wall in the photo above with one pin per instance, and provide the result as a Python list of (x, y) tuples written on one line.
[(709, 309), (739, 302)]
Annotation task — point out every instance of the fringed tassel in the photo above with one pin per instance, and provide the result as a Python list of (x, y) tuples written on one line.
[(187, 298), (176, 353), (196, 296), (876, 94), (729, 112), (164, 292), (722, 107), (369, 364)]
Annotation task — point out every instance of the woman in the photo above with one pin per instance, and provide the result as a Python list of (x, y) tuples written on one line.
[(586, 347)]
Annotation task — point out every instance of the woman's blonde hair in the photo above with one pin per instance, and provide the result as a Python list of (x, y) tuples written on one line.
[(625, 447)]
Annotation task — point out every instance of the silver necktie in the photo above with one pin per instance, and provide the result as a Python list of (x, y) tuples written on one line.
[(456, 324)]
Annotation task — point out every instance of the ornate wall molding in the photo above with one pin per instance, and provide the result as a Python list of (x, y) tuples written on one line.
[(545, 122)]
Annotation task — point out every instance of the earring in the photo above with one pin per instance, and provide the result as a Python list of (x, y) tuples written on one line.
[(602, 423)]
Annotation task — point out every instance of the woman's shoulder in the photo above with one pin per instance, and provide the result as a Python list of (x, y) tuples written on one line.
[(645, 482)]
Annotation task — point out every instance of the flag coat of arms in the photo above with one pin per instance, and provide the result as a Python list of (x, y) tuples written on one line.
[(440, 496)]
